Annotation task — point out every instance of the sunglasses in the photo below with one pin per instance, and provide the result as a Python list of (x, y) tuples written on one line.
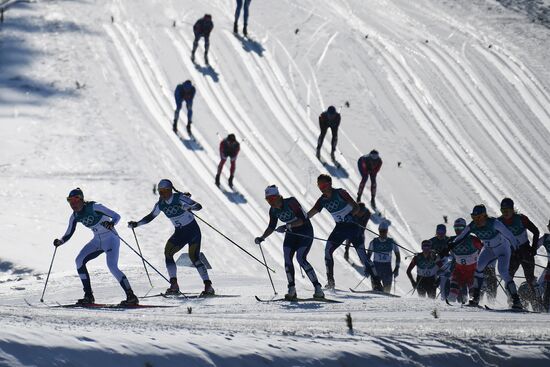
[(74, 199), (459, 227), (271, 198), (323, 185)]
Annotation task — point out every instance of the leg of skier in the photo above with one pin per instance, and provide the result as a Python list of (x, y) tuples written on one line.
[(334, 241), (237, 15), (89, 252), (503, 253), (334, 141), (195, 45), (220, 167), (245, 27), (485, 257), (324, 127), (111, 245), (289, 251), (206, 47), (169, 251), (302, 251), (373, 190), (189, 105), (233, 161)]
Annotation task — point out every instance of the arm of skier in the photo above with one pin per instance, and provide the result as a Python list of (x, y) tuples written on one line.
[(269, 230), (531, 227), (316, 209), (500, 227), (412, 265), (68, 233), (115, 217), (148, 218), (348, 199)]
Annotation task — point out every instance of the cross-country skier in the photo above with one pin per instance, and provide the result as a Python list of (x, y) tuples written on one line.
[(369, 165), (328, 119), (544, 241), (229, 148), (440, 246), (465, 254), (426, 264), (178, 207), (101, 220), (346, 213), (298, 237), (497, 244), (184, 92), (240, 4), (523, 254), (382, 248), (202, 28)]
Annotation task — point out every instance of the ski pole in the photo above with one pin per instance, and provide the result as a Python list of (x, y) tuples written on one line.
[(137, 253), (376, 234), (141, 255), (267, 269), (362, 280), (233, 242), (48, 277)]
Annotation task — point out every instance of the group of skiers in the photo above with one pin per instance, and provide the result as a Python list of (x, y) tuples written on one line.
[(462, 265)]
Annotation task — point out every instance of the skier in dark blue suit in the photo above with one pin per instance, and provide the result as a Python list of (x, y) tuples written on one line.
[(184, 92)]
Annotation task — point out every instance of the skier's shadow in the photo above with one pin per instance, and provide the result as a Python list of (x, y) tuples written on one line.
[(190, 144), (335, 171), (235, 197), (250, 45), (208, 71)]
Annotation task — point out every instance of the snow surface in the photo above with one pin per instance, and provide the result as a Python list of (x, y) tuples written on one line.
[(457, 91)]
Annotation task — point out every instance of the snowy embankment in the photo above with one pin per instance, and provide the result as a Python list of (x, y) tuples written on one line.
[(86, 100)]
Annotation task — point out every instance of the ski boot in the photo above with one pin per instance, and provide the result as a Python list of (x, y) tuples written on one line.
[(513, 292), (235, 28), (291, 294), (330, 284), (373, 203), (332, 157), (346, 254), (206, 59), (188, 127), (474, 301), (377, 284), (174, 287), (245, 31), (230, 181), (218, 180), (175, 127), (318, 292), (208, 290), (131, 299), (88, 299)]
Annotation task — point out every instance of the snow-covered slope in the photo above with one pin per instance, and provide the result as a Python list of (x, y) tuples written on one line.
[(458, 92)]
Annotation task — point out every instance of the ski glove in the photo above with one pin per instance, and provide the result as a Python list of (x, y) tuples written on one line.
[(396, 272), (57, 242), (258, 240), (132, 224), (284, 228), (108, 225)]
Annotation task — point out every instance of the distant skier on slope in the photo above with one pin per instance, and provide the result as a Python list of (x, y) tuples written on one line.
[(229, 148), (298, 237), (346, 213), (184, 92), (328, 119), (178, 208), (369, 165), (101, 220), (544, 241), (426, 264), (440, 246), (240, 4), (523, 254), (202, 28), (382, 248), (465, 255), (497, 244)]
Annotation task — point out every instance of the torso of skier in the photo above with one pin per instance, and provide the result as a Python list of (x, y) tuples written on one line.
[(298, 237), (427, 264), (101, 221), (497, 244), (522, 253), (381, 248), (369, 165), (345, 212), (178, 207)]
